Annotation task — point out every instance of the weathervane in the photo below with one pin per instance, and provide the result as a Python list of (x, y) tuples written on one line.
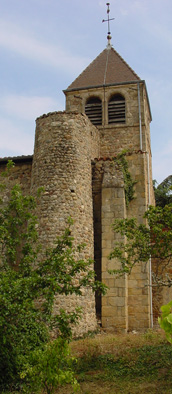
[(108, 20)]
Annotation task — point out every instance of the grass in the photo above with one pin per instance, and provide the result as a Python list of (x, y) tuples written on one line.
[(123, 364)]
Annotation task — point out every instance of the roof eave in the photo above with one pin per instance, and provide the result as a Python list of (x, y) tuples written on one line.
[(102, 86)]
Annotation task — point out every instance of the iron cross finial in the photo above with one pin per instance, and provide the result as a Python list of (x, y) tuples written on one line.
[(108, 20)]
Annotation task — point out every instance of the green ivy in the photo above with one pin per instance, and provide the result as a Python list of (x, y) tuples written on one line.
[(128, 181)]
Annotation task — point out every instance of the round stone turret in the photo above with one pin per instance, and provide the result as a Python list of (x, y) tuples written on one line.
[(62, 165)]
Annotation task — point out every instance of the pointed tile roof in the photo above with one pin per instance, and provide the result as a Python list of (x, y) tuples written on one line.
[(108, 68)]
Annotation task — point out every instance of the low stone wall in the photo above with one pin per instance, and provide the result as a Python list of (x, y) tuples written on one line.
[(20, 174)]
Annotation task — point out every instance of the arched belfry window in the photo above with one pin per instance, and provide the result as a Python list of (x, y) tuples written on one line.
[(93, 109), (116, 109)]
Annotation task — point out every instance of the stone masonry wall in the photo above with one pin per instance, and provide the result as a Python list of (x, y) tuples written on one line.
[(117, 137), (109, 204), (115, 302), (19, 174), (76, 100), (127, 303), (64, 144), (138, 281)]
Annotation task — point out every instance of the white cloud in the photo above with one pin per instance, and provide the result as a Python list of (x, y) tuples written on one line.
[(14, 140), (17, 122), (28, 108), (14, 39)]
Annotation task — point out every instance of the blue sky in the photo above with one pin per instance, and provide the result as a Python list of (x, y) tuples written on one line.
[(45, 44)]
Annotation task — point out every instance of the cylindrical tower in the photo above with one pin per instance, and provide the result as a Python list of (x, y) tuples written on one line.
[(62, 165)]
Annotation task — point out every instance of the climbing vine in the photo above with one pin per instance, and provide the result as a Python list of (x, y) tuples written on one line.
[(128, 181)]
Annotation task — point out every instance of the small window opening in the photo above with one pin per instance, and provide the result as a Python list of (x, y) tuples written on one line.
[(93, 110), (116, 109)]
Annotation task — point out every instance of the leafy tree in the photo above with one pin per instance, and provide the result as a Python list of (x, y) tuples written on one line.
[(165, 321), (27, 291), (50, 368), (163, 194), (154, 238)]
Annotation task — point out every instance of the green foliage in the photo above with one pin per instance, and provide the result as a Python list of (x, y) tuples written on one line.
[(140, 241), (165, 321), (163, 195), (21, 326), (17, 231), (9, 165), (128, 182), (50, 368), (28, 287)]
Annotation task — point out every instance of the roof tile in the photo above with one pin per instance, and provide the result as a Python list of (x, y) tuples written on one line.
[(108, 68)]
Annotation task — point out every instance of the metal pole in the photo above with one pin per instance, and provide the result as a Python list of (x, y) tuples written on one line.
[(140, 119), (150, 262)]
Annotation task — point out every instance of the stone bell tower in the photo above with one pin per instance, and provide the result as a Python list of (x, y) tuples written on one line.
[(115, 100), (107, 112)]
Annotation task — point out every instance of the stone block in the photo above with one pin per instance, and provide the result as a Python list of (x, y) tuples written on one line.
[(106, 235), (106, 195), (112, 283), (112, 291), (107, 243), (120, 301), (132, 283), (106, 275), (104, 301), (133, 291), (108, 311), (122, 292), (106, 208), (106, 252), (120, 283), (107, 222)]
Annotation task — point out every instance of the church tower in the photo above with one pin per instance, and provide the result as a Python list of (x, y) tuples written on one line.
[(74, 160), (115, 100)]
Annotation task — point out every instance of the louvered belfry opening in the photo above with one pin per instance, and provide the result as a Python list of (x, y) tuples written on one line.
[(93, 110), (116, 109)]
